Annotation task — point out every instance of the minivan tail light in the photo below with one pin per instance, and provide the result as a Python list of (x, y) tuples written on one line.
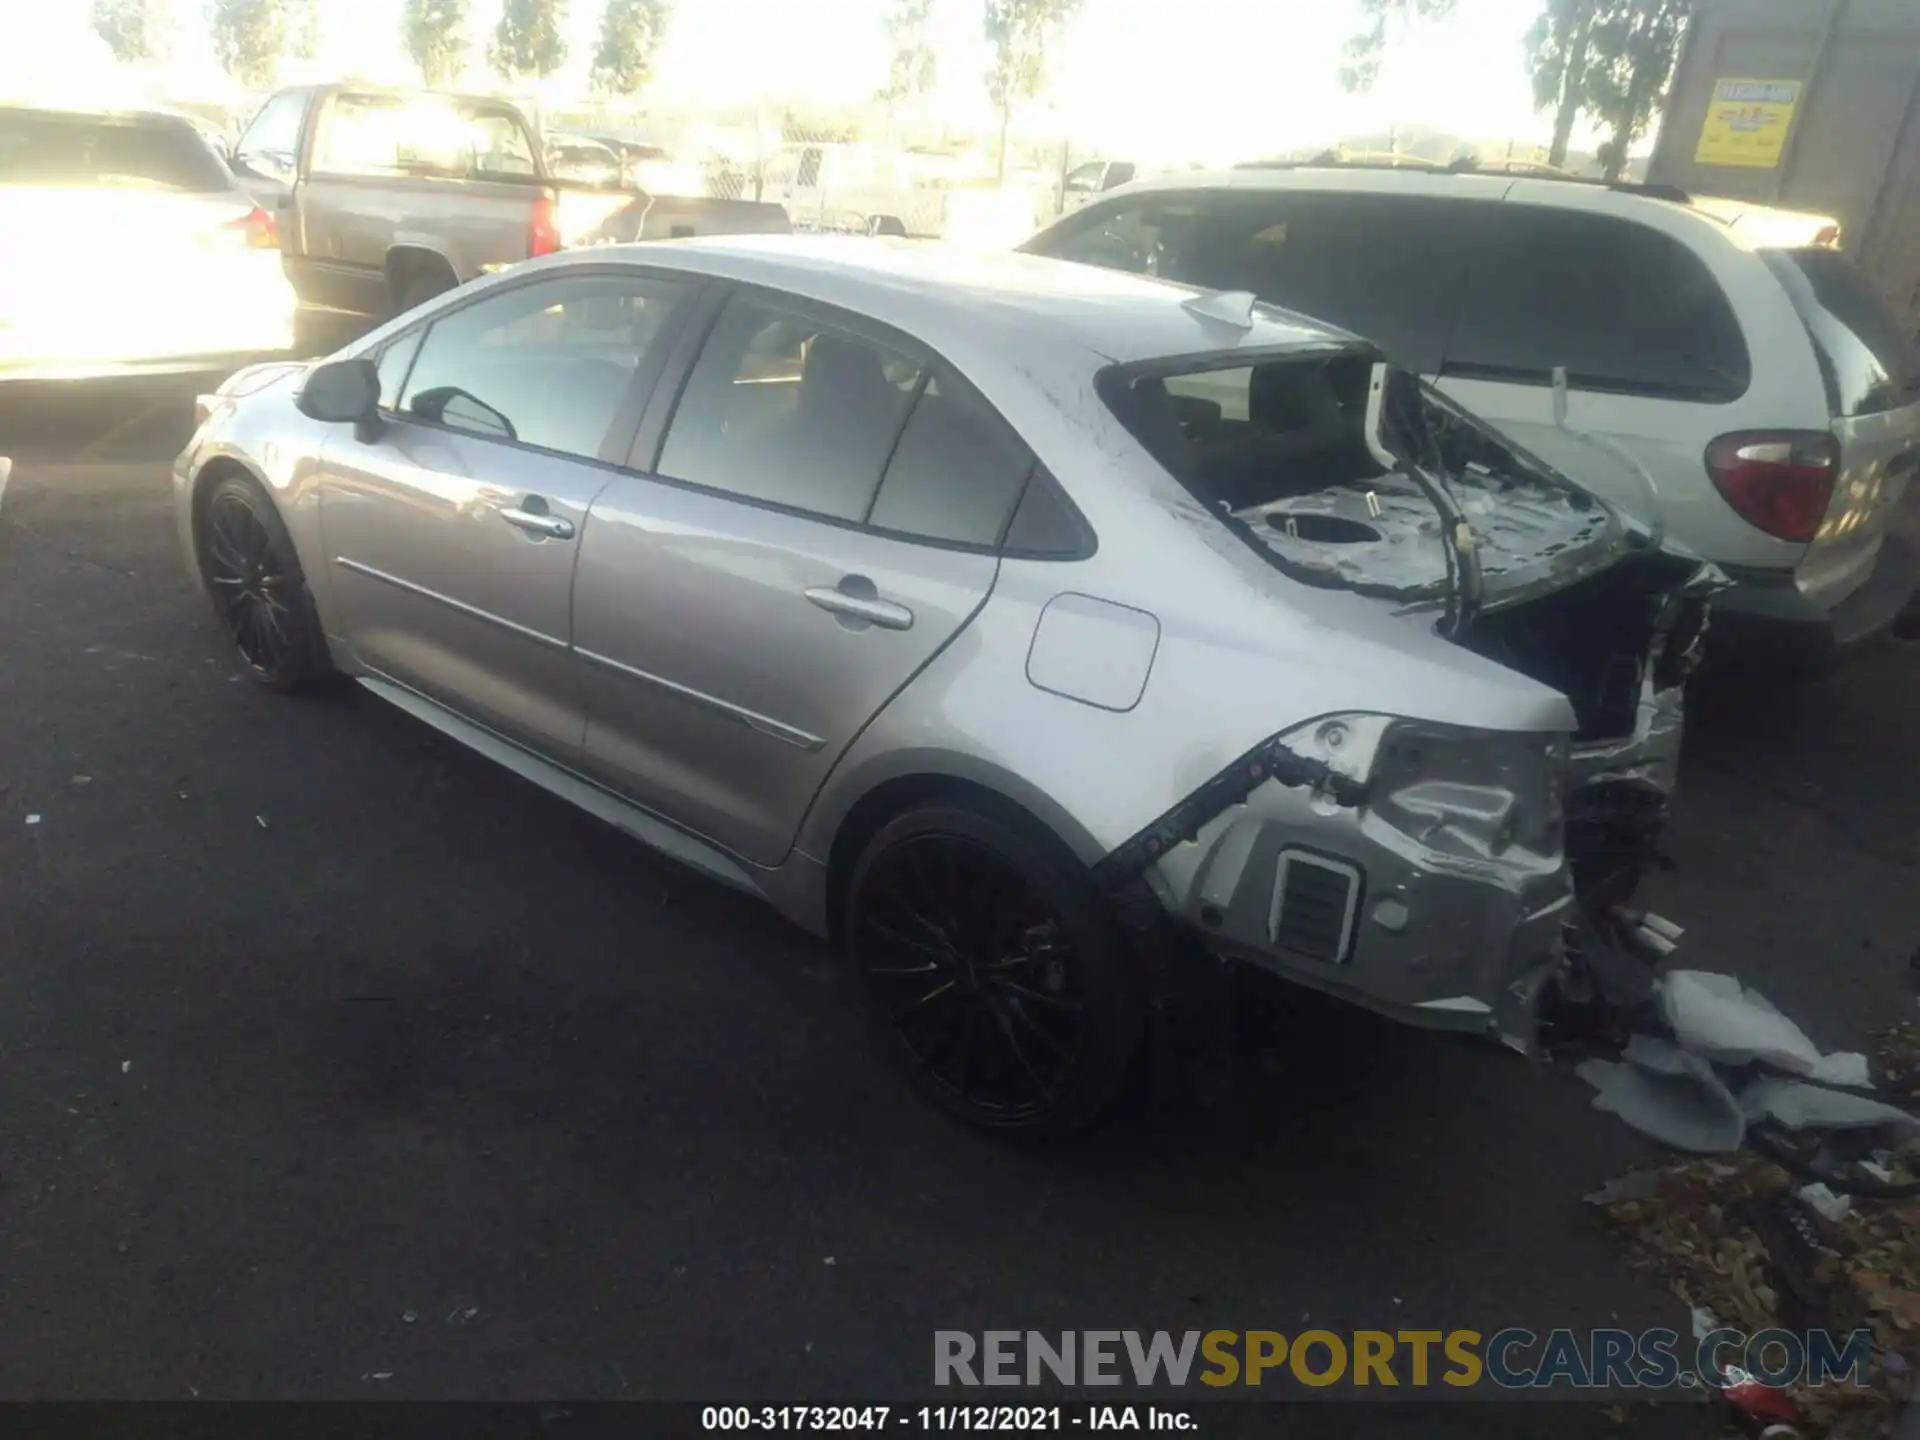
[(545, 239), (1779, 481)]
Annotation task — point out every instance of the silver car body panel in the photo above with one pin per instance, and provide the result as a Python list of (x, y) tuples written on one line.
[(697, 674)]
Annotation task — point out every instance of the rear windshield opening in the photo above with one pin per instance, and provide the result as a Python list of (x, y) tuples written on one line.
[(1279, 450), (1870, 364), (45, 148)]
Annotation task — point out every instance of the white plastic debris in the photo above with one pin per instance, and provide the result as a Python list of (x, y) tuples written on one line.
[(1662, 1091), (261, 820), (33, 819), (1634, 1185), (1814, 1107), (1682, 1091), (1834, 1207), (1713, 1016), (126, 1067)]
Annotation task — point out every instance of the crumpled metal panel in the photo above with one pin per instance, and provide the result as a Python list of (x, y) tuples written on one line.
[(1466, 886)]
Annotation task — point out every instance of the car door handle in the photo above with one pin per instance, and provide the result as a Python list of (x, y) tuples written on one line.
[(884, 613), (539, 523)]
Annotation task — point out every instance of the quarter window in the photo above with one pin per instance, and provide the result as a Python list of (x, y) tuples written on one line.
[(547, 364), (957, 471), (1624, 307), (785, 409)]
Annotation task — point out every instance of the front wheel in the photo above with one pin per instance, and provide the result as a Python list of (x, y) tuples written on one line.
[(998, 978), (259, 592)]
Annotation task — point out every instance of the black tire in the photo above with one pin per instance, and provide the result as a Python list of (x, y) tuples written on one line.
[(419, 285), (260, 594), (994, 970)]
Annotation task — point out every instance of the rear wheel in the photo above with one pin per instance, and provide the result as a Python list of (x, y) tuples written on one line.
[(998, 978), (259, 593)]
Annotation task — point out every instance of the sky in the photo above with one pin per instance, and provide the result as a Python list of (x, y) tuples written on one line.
[(1207, 80)]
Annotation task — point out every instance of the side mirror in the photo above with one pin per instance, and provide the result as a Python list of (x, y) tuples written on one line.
[(342, 392)]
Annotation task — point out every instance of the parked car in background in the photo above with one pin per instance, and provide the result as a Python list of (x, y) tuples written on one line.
[(989, 615), (386, 198), (1741, 369), (126, 245), (1086, 182)]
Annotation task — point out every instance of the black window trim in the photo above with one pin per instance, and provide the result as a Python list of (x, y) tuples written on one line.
[(616, 443), (649, 440)]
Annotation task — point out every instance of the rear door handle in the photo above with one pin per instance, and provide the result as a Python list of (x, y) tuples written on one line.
[(872, 609), (537, 522)]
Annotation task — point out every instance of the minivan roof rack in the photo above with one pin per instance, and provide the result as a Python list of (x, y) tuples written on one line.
[(1466, 165)]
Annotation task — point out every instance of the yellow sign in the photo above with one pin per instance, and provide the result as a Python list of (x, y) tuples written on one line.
[(1747, 122)]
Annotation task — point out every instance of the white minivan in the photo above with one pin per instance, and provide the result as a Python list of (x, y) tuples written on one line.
[(1763, 392)]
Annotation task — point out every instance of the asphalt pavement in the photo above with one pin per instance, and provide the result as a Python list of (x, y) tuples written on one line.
[(337, 1063)]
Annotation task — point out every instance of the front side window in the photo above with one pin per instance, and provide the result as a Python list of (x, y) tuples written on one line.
[(500, 147), (546, 364), (785, 408), (1144, 237), (1627, 309)]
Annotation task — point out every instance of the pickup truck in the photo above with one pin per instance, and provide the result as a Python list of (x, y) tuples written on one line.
[(385, 198)]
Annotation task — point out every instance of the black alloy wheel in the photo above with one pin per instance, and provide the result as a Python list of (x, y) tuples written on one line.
[(991, 965), (259, 594)]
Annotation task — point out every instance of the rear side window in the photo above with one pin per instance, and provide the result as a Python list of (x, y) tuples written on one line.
[(1628, 310), (1868, 363), (784, 408), (41, 147), (956, 472), (1387, 267)]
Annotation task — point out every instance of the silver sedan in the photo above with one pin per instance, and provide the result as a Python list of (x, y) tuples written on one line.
[(1029, 630)]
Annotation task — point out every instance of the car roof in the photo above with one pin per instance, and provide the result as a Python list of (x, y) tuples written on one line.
[(949, 295), (1562, 192)]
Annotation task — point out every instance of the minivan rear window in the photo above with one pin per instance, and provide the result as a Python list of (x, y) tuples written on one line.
[(1626, 308), (157, 152), (1869, 365)]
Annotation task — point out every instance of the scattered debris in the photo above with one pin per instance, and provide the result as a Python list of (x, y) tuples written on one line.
[(1747, 1243), (126, 1067), (465, 1316), (378, 1375), (33, 819), (81, 780), (830, 1261), (261, 820), (409, 1317)]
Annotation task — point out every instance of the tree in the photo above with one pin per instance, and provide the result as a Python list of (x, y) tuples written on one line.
[(1633, 49), (913, 67), (249, 36), (1557, 52), (131, 28), (436, 36), (1363, 52), (1018, 31), (306, 29), (530, 38), (630, 34)]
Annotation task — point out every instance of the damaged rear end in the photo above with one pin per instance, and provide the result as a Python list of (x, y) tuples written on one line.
[(1440, 874)]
